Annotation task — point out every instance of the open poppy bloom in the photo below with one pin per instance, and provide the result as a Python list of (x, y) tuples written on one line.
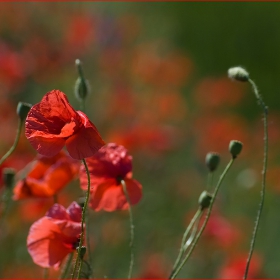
[(47, 176), (53, 237), (53, 123), (107, 168)]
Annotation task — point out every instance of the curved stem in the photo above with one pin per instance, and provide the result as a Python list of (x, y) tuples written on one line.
[(20, 123), (66, 266), (209, 180), (82, 225), (255, 231), (131, 229), (206, 219), (187, 231)]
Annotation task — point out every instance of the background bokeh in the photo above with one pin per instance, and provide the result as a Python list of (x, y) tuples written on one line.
[(159, 86)]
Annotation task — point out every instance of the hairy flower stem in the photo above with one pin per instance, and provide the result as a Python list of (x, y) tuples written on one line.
[(206, 219), (20, 123), (196, 216), (131, 244), (255, 231), (66, 266), (209, 180), (78, 259)]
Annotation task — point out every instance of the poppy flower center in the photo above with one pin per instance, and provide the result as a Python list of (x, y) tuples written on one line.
[(119, 178)]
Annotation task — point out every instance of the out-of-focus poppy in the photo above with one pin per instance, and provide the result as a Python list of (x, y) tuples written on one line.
[(234, 268), (54, 236), (107, 168), (47, 176), (53, 123)]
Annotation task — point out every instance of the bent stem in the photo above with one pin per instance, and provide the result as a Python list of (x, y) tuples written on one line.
[(131, 229), (255, 231), (206, 219), (20, 123), (82, 225), (186, 233)]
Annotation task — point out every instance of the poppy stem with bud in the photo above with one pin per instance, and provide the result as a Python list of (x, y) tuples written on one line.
[(240, 74), (131, 229), (205, 221), (78, 259), (22, 111), (255, 231)]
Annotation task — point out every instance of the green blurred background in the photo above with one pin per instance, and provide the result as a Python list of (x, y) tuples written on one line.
[(159, 86)]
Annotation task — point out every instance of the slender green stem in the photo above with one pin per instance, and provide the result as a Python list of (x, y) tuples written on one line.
[(186, 233), (66, 266), (82, 225), (46, 273), (209, 180), (20, 123), (131, 229), (255, 231), (206, 219), (88, 243)]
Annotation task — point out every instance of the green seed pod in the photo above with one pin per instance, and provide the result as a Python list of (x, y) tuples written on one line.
[(23, 109), (212, 161), (235, 148), (8, 177), (239, 74), (204, 200), (81, 85)]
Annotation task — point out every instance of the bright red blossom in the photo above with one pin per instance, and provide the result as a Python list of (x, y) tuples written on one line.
[(54, 236), (107, 168), (53, 123), (47, 176)]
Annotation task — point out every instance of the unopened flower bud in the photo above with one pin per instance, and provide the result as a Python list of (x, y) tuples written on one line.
[(212, 161), (8, 177), (82, 252), (204, 200), (81, 202), (238, 73), (23, 109), (81, 85), (235, 148)]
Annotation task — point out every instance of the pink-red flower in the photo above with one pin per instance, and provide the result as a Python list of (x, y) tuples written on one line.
[(107, 168), (54, 236), (47, 176), (53, 123)]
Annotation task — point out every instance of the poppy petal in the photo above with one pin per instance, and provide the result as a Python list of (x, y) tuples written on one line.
[(86, 142), (57, 211), (44, 244), (134, 189), (75, 212), (48, 147)]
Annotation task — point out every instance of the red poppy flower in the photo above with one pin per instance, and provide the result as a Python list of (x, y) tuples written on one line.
[(107, 168), (53, 123), (53, 237), (47, 176)]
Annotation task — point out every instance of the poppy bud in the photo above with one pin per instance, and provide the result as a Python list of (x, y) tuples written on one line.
[(82, 252), (81, 202), (8, 177), (23, 109), (212, 161), (235, 148), (81, 85), (238, 73), (204, 200)]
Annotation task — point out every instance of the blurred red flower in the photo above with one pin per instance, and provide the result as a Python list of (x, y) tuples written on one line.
[(234, 268), (47, 176), (107, 168), (53, 123), (55, 235)]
